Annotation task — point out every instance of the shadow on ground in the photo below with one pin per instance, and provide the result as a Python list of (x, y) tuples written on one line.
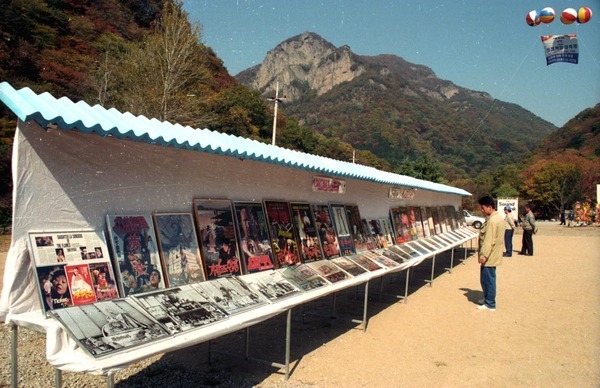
[(313, 325)]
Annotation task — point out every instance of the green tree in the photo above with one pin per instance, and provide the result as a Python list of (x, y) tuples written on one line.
[(553, 183), (165, 76)]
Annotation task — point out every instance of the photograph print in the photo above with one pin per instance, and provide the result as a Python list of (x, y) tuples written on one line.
[(230, 294), (253, 237), (308, 239), (216, 227), (303, 277), (329, 271), (283, 238), (180, 309), (135, 253), (178, 247), (270, 284), (105, 328)]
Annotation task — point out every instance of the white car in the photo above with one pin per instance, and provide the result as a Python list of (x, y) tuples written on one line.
[(472, 220)]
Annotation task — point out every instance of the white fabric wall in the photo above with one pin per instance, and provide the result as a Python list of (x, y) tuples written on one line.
[(70, 180)]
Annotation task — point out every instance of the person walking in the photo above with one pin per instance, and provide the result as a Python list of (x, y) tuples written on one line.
[(491, 246), (509, 224), (528, 231)]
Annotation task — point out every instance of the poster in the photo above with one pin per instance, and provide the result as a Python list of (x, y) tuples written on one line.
[(308, 240), (327, 234), (62, 261), (252, 227), (137, 261), (216, 227), (281, 230), (178, 247)]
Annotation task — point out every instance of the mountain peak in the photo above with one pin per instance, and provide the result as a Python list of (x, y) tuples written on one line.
[(305, 61)]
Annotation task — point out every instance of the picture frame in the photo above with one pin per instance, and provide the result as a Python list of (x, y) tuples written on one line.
[(284, 242), (178, 248), (253, 237), (326, 231), (341, 225), (306, 232), (137, 262), (361, 240), (215, 222)]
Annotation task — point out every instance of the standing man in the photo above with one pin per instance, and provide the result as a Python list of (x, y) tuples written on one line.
[(509, 224), (491, 247), (528, 230)]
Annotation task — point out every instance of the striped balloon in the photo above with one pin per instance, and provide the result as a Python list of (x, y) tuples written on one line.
[(584, 15), (568, 16), (547, 15), (533, 18)]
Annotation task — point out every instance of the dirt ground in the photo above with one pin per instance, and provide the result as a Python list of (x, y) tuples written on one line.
[(545, 331)]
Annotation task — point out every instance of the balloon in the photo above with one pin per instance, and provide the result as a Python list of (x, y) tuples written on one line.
[(547, 15), (568, 16), (533, 18), (584, 15)]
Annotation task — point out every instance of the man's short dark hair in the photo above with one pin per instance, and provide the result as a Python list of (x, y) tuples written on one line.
[(487, 201)]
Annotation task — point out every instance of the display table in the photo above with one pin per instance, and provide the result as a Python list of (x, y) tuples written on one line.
[(64, 354)]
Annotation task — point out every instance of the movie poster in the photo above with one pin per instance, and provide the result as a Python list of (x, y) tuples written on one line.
[(252, 228), (215, 222), (361, 240), (135, 253), (308, 240), (281, 228), (327, 235), (178, 246), (62, 262), (343, 229)]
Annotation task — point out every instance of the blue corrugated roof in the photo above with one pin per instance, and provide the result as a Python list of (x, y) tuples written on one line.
[(45, 109)]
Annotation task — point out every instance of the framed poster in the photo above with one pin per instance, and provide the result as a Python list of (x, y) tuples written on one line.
[(137, 261), (387, 231), (281, 230), (306, 229), (370, 233), (216, 227), (412, 219), (361, 240), (436, 220), (180, 309), (425, 222), (272, 285), (343, 230), (426, 211), (375, 227), (109, 327), (253, 237), (178, 247), (58, 256), (401, 224), (327, 235)]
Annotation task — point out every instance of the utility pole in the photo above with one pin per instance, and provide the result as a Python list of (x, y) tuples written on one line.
[(277, 100)]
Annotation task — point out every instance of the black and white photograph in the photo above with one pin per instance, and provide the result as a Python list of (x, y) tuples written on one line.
[(108, 327), (230, 294), (270, 284), (392, 255), (303, 277), (180, 309)]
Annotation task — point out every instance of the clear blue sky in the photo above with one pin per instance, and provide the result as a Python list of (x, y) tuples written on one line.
[(483, 45)]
